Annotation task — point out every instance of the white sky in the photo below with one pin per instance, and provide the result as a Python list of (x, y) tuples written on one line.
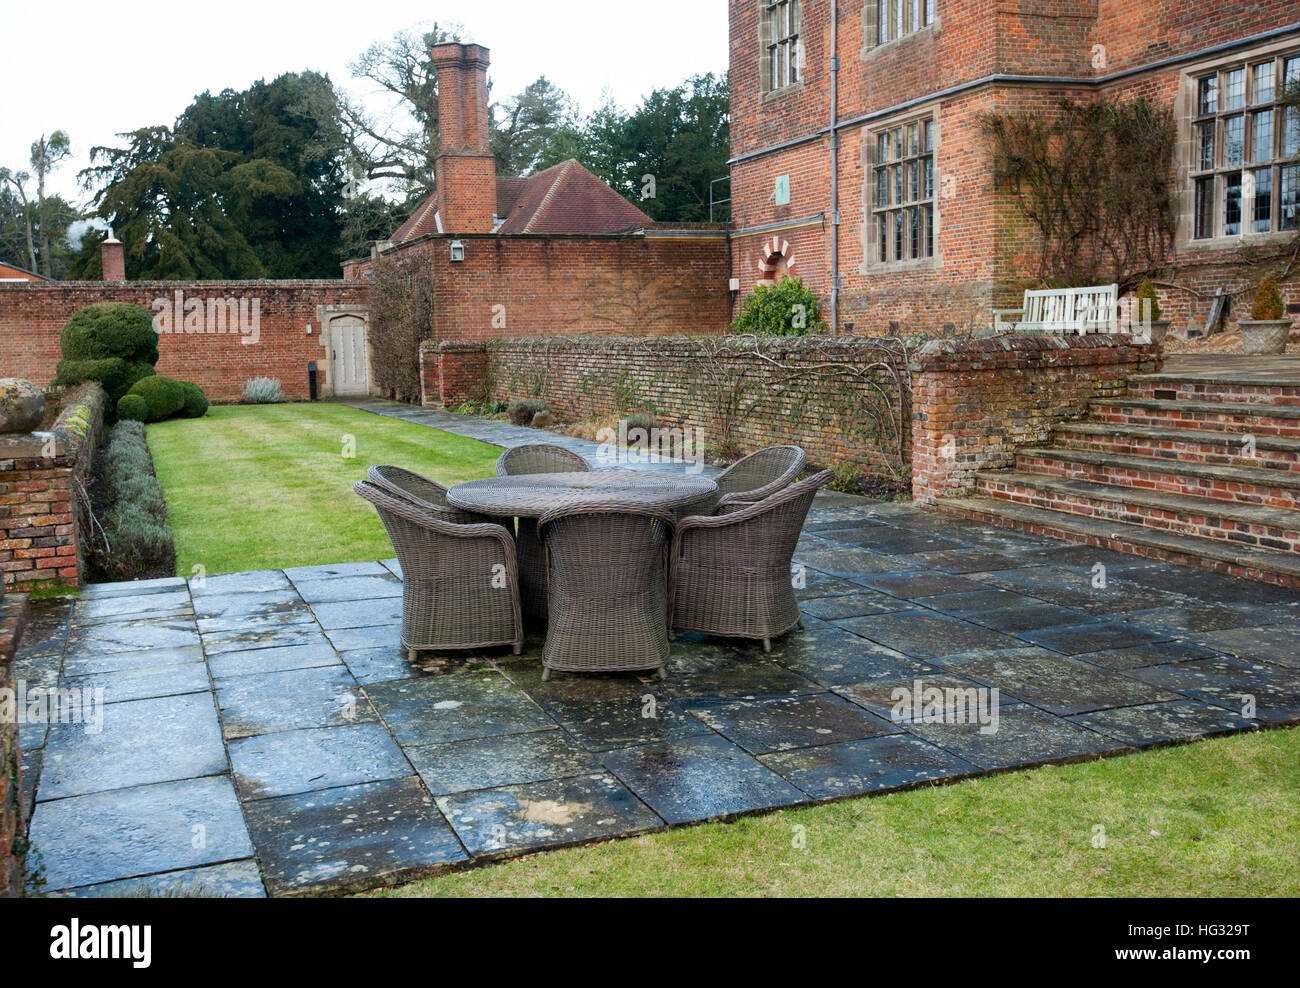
[(135, 63)]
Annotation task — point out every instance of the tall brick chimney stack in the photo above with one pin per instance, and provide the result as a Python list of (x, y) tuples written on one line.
[(465, 170), (112, 259)]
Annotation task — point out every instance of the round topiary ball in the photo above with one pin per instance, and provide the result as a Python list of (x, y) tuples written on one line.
[(113, 343), (164, 396), (132, 408), (196, 402)]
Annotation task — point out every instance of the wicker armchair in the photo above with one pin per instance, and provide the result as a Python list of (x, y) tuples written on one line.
[(453, 595), (426, 494), (757, 475), (608, 595), (536, 458), (730, 573)]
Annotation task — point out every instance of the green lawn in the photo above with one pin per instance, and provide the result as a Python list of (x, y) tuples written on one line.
[(1216, 818), (267, 486)]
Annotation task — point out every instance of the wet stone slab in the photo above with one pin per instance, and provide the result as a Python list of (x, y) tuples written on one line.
[(88, 840), (904, 699), (238, 611), (1023, 736), (1233, 684), (287, 701), (150, 658), (96, 640), (890, 762), (132, 588), (515, 819), (456, 707), (308, 574), (699, 670), (350, 588), (1199, 617), (143, 684), (1155, 723), (139, 742), (1138, 656), (489, 763), (851, 605), (225, 665), (967, 560), (291, 762), (849, 563), (1280, 645), (254, 581), (1099, 636), (779, 724), (927, 637), (831, 656), (379, 665), (700, 778), (1030, 617), (1055, 682), (351, 838), (894, 541), (236, 640), (131, 606), (229, 880), (339, 614)]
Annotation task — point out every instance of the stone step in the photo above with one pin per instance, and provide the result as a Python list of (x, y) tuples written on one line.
[(1205, 416), (1244, 524), (1280, 389), (1277, 488), (1183, 445), (1282, 569)]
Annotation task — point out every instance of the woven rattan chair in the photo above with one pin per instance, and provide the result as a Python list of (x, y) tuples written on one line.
[(536, 458), (427, 494), (460, 583), (757, 475), (608, 596), (730, 573)]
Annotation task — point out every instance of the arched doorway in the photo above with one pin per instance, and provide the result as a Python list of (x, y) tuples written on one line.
[(347, 336)]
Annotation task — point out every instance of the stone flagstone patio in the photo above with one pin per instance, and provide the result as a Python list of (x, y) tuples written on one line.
[(264, 732)]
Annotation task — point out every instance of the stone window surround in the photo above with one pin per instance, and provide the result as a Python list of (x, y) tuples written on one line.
[(1185, 111), (870, 28), (764, 42), (871, 263)]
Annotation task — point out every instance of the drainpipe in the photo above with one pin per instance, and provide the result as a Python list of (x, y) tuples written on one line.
[(835, 170)]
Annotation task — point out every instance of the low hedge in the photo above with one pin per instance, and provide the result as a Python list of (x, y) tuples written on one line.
[(164, 398), (139, 539)]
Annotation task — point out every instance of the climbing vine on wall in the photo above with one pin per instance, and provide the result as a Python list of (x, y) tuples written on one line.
[(401, 318)]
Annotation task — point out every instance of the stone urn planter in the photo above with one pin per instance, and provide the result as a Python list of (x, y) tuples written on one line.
[(1264, 336), (1157, 330), (22, 405)]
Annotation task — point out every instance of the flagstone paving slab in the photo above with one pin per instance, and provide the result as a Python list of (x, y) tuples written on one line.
[(290, 762), (143, 830), (350, 588), (93, 640), (334, 615), (832, 656), (893, 761), (226, 665), (1099, 636), (379, 665), (1054, 682), (1033, 616), (228, 880), (286, 701), (925, 636), (1024, 736), (512, 759), (351, 838), (1234, 684), (143, 684), (1157, 654), (1154, 723), (852, 605), (307, 574), (131, 588), (702, 778), (96, 609), (967, 560), (456, 707), (307, 633), (141, 658), (1280, 645), (895, 699), (139, 742), (254, 581), (515, 819), (781, 723), (852, 562), (268, 608)]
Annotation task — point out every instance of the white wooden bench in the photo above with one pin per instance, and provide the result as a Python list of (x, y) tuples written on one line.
[(1063, 310)]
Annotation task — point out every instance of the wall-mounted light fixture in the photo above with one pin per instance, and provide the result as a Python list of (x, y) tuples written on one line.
[(457, 251)]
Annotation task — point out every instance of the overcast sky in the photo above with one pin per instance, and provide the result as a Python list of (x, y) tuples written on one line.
[(99, 68)]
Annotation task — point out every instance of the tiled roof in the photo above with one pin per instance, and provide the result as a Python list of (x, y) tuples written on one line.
[(565, 198)]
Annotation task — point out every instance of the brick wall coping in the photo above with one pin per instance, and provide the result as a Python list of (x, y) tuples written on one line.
[(1019, 350), (791, 345), (14, 612), (72, 427), (169, 286)]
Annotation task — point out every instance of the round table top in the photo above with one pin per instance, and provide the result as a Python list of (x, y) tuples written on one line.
[(532, 495)]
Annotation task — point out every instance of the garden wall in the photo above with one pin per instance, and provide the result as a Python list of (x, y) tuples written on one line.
[(975, 400), (44, 513), (13, 828), (33, 313), (843, 400)]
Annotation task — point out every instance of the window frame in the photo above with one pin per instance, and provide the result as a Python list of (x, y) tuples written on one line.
[(891, 21), (1232, 170), (780, 30), (909, 209)]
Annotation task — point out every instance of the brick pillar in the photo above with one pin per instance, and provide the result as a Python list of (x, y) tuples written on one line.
[(452, 373), (465, 170), (112, 259), (13, 825)]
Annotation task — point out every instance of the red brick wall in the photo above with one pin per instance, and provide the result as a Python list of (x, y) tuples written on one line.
[(32, 314), (556, 285), (676, 380), (43, 521), (13, 828), (975, 400)]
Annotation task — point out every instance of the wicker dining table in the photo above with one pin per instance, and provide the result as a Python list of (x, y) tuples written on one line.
[(529, 496)]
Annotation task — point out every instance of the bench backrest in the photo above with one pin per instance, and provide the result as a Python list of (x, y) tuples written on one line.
[(1081, 310)]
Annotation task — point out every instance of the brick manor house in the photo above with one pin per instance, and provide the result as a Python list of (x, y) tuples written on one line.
[(923, 241)]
